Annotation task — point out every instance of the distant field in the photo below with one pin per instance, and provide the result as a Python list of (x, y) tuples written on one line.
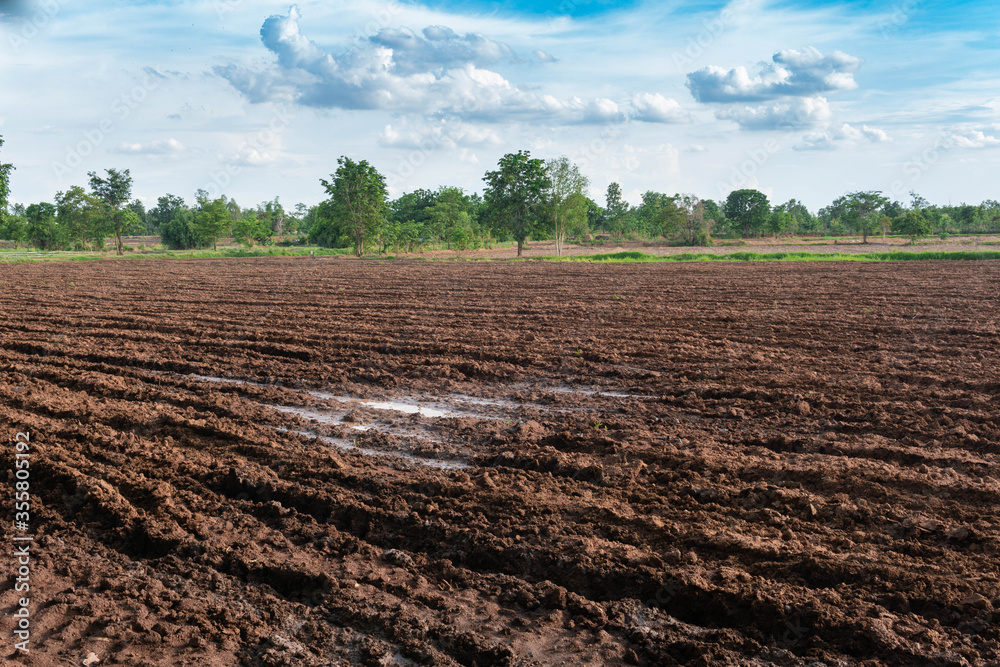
[(150, 245)]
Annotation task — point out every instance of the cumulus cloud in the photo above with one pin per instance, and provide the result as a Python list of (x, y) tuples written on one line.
[(974, 140), (840, 137), (434, 72), (792, 115), (793, 73), (655, 108), (164, 147), (440, 47), (544, 57)]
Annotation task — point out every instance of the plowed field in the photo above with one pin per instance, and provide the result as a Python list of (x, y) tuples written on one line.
[(323, 461)]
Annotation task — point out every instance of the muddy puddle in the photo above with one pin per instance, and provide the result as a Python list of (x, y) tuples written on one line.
[(349, 446)]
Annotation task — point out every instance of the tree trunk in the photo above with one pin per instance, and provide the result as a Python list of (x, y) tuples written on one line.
[(520, 246), (118, 242)]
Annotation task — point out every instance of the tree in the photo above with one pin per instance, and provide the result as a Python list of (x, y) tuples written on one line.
[(658, 215), (801, 219), (748, 209), (694, 226), (273, 213), (137, 207), (358, 202), (449, 218), (42, 229), (212, 221), (912, 224), (15, 229), (411, 211), (779, 222), (918, 203), (250, 230), (615, 208), (114, 193), (566, 186), (5, 170), (78, 216), (514, 195), (167, 208), (178, 232), (863, 210)]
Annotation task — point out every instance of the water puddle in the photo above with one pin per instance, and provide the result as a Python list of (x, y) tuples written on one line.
[(408, 408), (346, 445), (566, 389), (313, 415), (212, 378)]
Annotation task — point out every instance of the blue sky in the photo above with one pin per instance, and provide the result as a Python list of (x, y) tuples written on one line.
[(257, 99)]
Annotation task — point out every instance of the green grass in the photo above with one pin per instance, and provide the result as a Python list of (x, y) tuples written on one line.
[(631, 256), (71, 256)]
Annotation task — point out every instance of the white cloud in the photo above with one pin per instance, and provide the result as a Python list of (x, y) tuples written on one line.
[(792, 115), (655, 108), (544, 56), (441, 48), (791, 73), (164, 147), (438, 73), (844, 136), (974, 140), (441, 136), (875, 135), (696, 148)]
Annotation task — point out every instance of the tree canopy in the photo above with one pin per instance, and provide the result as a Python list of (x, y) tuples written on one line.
[(514, 195), (357, 205), (748, 209), (114, 192), (565, 194)]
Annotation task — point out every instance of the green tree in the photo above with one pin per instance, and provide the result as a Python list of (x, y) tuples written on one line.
[(912, 224), (15, 229), (411, 211), (615, 208), (514, 195), (250, 230), (114, 193), (139, 209), (748, 209), (358, 202), (212, 221), (695, 227), (863, 210), (566, 201), (801, 219), (779, 222), (43, 231), (658, 215), (449, 215), (273, 213), (167, 208), (78, 216), (5, 170), (178, 232)]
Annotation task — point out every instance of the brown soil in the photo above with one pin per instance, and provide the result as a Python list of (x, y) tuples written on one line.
[(613, 464), (843, 245)]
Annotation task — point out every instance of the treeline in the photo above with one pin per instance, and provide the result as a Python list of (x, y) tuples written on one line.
[(79, 219), (524, 198)]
